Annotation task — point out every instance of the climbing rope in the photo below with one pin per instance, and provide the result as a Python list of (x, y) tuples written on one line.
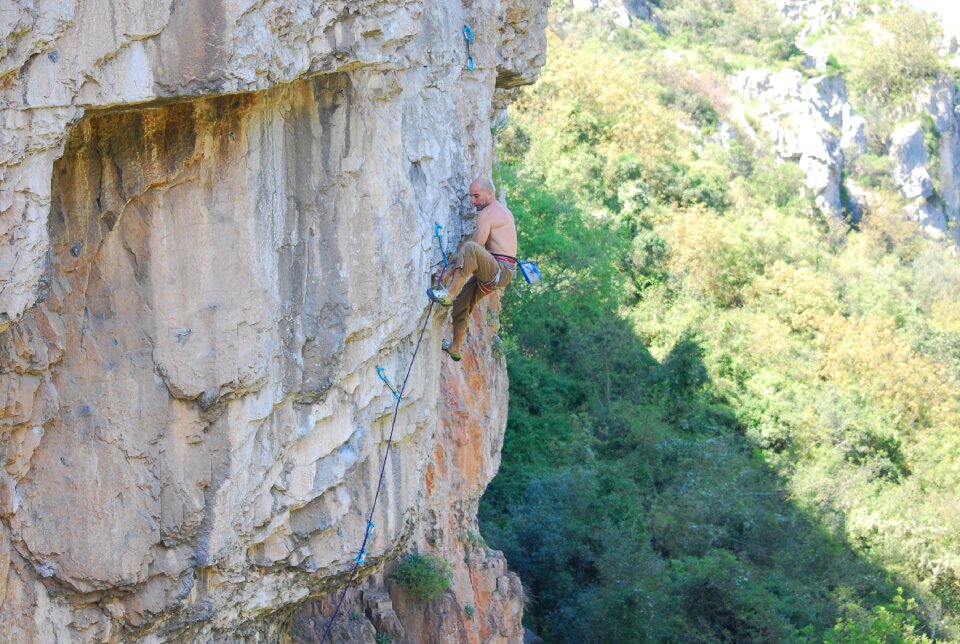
[(361, 557), (468, 36)]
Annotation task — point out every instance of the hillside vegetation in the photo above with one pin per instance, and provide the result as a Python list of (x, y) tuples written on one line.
[(732, 418)]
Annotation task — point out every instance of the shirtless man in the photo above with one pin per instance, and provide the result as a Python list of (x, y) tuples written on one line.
[(486, 262)]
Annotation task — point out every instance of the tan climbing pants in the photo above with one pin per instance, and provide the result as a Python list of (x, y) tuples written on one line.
[(477, 261)]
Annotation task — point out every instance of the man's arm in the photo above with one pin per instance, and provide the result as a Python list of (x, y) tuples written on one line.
[(482, 234)]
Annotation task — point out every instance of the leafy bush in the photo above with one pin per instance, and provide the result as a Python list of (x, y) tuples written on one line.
[(895, 622), (874, 171), (425, 577), (744, 26), (891, 56)]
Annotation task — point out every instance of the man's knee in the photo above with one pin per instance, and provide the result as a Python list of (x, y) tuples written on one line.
[(470, 249)]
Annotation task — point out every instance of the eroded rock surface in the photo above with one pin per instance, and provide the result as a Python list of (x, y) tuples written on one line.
[(216, 220), (809, 121)]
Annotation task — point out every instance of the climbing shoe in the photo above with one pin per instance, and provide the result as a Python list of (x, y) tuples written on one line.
[(445, 345), (440, 296)]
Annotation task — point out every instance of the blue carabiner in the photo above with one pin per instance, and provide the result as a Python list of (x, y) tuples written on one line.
[(383, 376), (468, 36), (438, 231)]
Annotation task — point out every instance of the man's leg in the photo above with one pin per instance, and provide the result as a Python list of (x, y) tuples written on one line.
[(476, 260), (463, 306), (457, 278)]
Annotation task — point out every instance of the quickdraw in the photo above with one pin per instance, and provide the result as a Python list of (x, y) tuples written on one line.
[(468, 36), (361, 558)]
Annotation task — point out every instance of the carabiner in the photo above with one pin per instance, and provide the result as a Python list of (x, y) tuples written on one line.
[(438, 229)]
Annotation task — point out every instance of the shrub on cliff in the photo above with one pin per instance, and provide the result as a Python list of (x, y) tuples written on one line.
[(890, 57), (425, 577)]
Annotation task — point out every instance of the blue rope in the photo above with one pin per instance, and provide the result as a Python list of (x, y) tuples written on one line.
[(362, 555)]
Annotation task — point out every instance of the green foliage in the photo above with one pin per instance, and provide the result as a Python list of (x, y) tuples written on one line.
[(833, 65), (470, 611), (697, 105), (472, 538), (889, 57), (897, 622), (425, 577), (731, 418), (742, 26), (874, 171), (931, 142), (382, 638), (782, 183)]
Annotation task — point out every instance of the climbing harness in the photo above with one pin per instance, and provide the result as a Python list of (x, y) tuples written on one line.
[(361, 557), (489, 287), (468, 36)]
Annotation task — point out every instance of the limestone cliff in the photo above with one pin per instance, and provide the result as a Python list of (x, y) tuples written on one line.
[(216, 220)]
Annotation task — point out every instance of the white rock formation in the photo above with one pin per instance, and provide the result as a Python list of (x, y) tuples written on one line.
[(941, 101), (814, 15), (623, 13), (810, 122), (910, 173), (216, 220)]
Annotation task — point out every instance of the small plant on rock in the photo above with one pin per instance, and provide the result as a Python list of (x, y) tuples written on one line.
[(424, 577)]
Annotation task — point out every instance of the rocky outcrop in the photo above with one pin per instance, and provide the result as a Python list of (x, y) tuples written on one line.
[(215, 221), (810, 123), (814, 15), (622, 13), (910, 174), (926, 169), (940, 101)]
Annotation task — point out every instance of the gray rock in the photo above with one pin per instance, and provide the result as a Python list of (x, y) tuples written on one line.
[(216, 221), (813, 15), (930, 218), (804, 117), (623, 12), (853, 131), (908, 151)]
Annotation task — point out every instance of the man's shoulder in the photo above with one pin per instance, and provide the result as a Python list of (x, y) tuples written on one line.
[(497, 210)]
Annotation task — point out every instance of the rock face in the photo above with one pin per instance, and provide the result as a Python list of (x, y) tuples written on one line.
[(939, 212), (813, 15), (622, 13), (804, 118), (216, 220)]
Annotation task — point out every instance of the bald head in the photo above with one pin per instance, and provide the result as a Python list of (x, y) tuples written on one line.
[(482, 183), (481, 193)]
